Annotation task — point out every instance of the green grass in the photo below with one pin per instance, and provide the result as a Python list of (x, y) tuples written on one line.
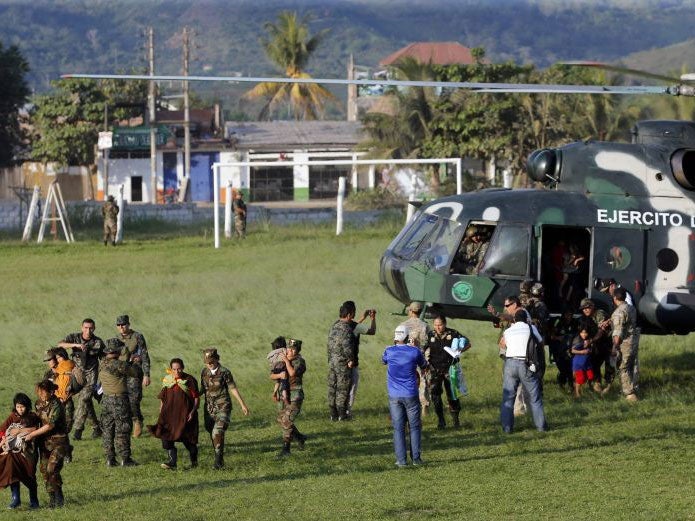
[(602, 459)]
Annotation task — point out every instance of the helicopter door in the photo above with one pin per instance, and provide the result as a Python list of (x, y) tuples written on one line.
[(620, 254)]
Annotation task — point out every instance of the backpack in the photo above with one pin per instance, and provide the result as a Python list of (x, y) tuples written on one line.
[(535, 355)]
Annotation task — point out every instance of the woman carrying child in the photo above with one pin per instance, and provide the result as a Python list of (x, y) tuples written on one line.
[(295, 367)]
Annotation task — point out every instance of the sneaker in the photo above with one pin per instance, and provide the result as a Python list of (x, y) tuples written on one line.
[(401, 465)]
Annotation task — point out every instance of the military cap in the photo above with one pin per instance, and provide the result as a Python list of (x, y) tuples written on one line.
[(210, 354), (605, 285), (113, 345), (50, 355), (586, 303), (537, 289), (415, 306), (122, 320), (294, 344)]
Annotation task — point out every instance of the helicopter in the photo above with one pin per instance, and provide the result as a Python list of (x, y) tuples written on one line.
[(627, 208)]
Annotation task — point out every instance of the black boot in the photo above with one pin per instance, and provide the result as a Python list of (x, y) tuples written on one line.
[(441, 422), (342, 415), (219, 458), (14, 491), (193, 453), (334, 414), (455, 419), (96, 433), (51, 500), (33, 496), (285, 450), (60, 500), (299, 438), (77, 435), (171, 463)]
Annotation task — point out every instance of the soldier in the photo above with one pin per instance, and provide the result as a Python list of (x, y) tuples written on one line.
[(52, 439), (136, 353), (295, 369), (600, 343), (359, 328), (418, 336), (469, 258), (539, 318), (239, 209), (86, 350), (625, 342), (341, 360), (115, 405), (110, 212), (217, 383), (440, 361)]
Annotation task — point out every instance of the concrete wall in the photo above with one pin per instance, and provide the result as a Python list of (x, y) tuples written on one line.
[(188, 213)]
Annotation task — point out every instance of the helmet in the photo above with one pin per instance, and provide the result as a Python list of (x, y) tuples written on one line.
[(586, 303), (537, 290), (525, 286), (471, 231)]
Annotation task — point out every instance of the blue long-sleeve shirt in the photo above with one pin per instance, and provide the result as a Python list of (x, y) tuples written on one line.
[(401, 362)]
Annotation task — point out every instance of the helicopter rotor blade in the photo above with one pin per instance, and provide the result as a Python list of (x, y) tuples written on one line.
[(623, 70), (472, 86)]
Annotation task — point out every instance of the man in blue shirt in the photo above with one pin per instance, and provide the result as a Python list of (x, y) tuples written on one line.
[(401, 362)]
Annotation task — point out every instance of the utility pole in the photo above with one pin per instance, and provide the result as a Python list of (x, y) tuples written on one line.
[(153, 116), (186, 109)]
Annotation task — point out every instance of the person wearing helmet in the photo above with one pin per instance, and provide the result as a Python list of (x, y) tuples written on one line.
[(593, 318), (109, 212), (469, 257)]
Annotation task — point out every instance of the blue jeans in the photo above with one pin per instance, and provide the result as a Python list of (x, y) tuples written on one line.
[(402, 410), (517, 373)]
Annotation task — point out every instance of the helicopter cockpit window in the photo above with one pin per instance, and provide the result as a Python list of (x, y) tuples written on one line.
[(440, 246), (508, 251), (418, 231)]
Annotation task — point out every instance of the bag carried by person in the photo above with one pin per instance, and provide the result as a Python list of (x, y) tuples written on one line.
[(457, 381), (534, 352), (77, 380)]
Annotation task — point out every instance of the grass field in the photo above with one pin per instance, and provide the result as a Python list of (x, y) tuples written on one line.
[(602, 459)]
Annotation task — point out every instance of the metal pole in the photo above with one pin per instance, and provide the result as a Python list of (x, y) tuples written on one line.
[(459, 181), (228, 211), (30, 214), (186, 109), (372, 176), (354, 173), (339, 207), (105, 155), (121, 211), (153, 117), (216, 203)]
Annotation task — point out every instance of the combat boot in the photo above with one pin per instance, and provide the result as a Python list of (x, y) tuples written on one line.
[(33, 497), (77, 435), (193, 453), (334, 414), (343, 416), (111, 462), (51, 500), (129, 462), (16, 499), (441, 422), (455, 420), (106, 243), (137, 429), (285, 450), (60, 500), (299, 438), (219, 459), (171, 463)]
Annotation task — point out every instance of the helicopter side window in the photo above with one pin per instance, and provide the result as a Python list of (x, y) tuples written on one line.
[(508, 252), (440, 246), (418, 231)]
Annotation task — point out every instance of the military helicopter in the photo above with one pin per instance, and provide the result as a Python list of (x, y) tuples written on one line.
[(627, 210)]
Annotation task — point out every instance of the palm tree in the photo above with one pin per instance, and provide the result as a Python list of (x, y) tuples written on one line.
[(290, 46)]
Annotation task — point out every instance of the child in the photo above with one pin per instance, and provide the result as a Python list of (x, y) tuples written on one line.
[(281, 392), (581, 361)]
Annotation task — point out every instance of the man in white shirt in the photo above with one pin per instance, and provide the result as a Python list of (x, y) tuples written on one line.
[(517, 372)]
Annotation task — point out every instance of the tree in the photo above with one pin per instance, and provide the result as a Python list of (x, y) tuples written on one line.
[(289, 46), (14, 93)]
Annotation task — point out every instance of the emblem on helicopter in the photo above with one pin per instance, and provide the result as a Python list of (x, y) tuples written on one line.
[(462, 291)]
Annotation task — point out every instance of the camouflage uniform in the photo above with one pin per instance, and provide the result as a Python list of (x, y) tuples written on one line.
[(88, 361), (54, 445), (418, 334), (136, 353), (110, 212), (440, 361), (116, 417), (341, 351), (239, 209), (475, 251), (624, 321), (601, 349), (218, 403), (288, 412)]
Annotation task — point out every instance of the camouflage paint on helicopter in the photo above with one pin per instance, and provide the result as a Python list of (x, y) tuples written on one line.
[(632, 204)]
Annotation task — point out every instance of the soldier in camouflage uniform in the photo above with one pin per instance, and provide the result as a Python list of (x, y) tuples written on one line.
[(217, 384), (600, 342), (136, 353), (86, 350), (468, 259), (341, 359), (625, 342), (239, 209), (296, 367), (110, 212), (52, 439), (115, 406), (418, 336)]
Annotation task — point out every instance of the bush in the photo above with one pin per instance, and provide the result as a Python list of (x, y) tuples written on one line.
[(376, 199)]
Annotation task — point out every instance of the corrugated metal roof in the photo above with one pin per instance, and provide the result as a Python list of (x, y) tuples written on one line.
[(301, 134), (439, 53)]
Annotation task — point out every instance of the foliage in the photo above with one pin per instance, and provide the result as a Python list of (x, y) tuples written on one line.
[(290, 47), (377, 198), (14, 92), (184, 296)]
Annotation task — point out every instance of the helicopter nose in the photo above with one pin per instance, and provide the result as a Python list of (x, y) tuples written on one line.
[(391, 278)]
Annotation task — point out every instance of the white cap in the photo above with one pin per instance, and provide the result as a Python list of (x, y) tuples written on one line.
[(400, 334)]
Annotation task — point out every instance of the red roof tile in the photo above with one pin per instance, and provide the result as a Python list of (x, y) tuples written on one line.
[(440, 53)]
